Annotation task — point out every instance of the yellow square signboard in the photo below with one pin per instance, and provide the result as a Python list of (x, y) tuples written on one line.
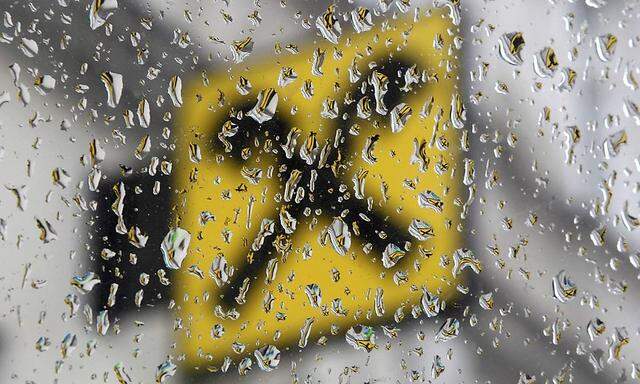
[(321, 189)]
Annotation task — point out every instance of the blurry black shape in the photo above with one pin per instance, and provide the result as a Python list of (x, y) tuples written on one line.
[(148, 212)]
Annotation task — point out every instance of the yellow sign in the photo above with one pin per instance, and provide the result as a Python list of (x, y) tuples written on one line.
[(319, 190)]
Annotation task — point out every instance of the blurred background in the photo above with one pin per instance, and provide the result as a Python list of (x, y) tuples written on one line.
[(556, 188)]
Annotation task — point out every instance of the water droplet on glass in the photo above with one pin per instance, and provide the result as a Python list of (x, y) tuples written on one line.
[(113, 84), (361, 337), (564, 289), (100, 11), (329, 25), (510, 47), (174, 247), (265, 108), (267, 357)]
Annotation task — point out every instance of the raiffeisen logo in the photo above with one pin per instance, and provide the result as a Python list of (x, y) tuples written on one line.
[(322, 193)]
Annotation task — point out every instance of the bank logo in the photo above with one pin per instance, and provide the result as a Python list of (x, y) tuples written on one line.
[(321, 189)]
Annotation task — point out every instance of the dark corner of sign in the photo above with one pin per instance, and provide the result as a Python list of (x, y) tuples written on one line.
[(149, 212)]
